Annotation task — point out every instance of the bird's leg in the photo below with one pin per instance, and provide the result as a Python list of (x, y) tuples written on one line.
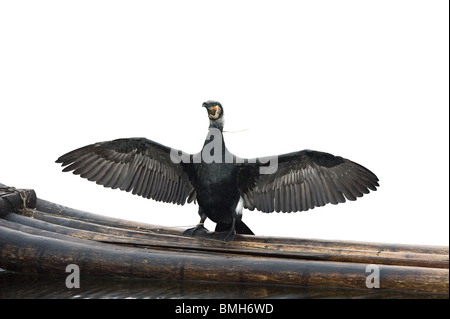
[(237, 216), (202, 221), (197, 229), (228, 235), (232, 233)]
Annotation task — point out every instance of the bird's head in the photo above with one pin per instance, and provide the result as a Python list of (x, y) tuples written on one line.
[(215, 110)]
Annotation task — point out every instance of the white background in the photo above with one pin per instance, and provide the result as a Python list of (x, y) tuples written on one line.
[(367, 80)]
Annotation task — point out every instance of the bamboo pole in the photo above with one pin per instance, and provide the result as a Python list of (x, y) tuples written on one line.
[(56, 209), (81, 229), (19, 251)]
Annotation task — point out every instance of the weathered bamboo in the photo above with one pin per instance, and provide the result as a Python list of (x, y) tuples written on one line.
[(56, 209), (412, 255), (60, 210), (19, 251), (81, 229)]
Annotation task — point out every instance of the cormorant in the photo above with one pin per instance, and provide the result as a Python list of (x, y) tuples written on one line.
[(221, 183)]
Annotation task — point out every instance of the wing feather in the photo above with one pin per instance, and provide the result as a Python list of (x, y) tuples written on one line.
[(136, 165), (304, 180)]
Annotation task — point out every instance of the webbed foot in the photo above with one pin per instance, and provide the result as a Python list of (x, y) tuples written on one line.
[(195, 231), (225, 235)]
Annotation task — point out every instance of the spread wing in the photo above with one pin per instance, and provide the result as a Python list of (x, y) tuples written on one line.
[(304, 180), (136, 165)]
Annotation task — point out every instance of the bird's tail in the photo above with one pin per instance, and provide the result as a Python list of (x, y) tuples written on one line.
[(241, 228)]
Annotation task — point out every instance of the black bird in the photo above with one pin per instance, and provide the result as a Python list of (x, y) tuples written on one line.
[(221, 183)]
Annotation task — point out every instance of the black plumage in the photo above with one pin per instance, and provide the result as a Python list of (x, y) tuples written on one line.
[(221, 183), (309, 179), (135, 165)]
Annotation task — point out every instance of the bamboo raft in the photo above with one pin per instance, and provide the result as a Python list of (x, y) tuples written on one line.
[(41, 237)]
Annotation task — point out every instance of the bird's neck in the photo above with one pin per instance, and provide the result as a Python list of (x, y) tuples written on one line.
[(214, 144), (217, 124)]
